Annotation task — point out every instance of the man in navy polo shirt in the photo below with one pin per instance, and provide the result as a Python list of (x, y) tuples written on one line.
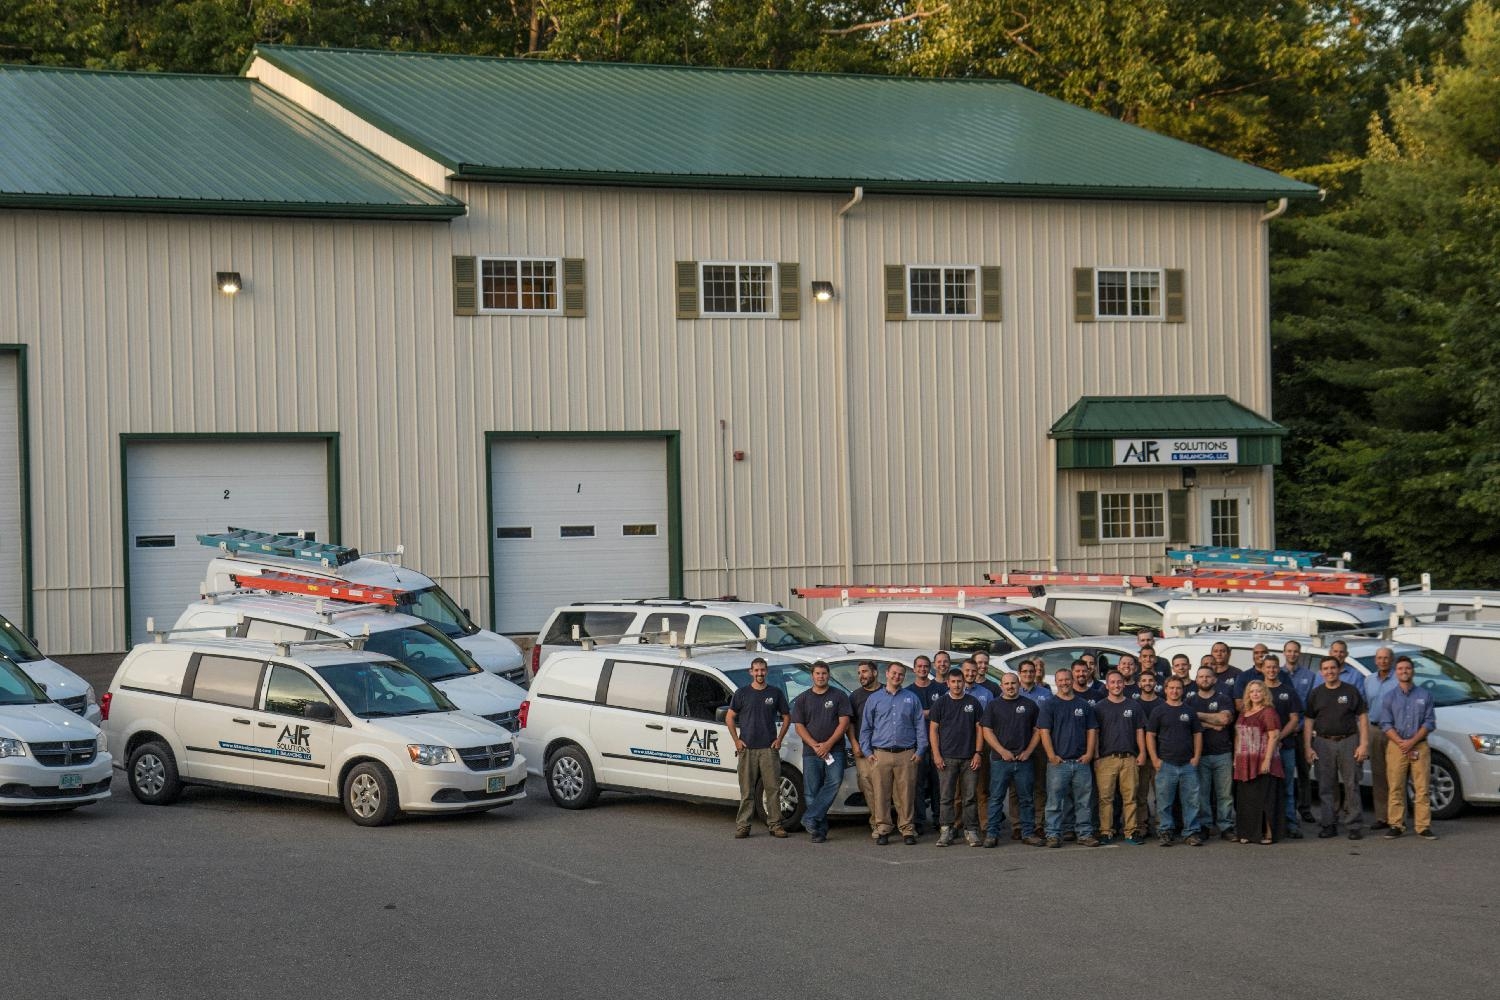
[(1070, 735), (864, 757), (1224, 673), (1009, 729), (1030, 673), (1174, 739), (1214, 704), (755, 712), (821, 715), (954, 737), (1084, 684), (929, 689), (1122, 750)]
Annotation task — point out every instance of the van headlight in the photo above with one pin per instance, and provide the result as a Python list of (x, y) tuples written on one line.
[(422, 753), (1487, 743), (12, 748), (93, 696)]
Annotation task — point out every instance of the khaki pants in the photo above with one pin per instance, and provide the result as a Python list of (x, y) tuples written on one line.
[(982, 794), (1398, 766), (1379, 792), (1112, 773), (864, 771), (895, 781), (759, 768)]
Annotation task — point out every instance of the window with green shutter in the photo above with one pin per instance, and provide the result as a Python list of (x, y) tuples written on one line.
[(465, 286)]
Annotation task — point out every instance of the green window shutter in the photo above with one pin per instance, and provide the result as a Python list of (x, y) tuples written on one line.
[(1174, 297), (895, 293), (465, 286), (1088, 517), (1177, 517), (1083, 294), (789, 294), (687, 289), (573, 289), (989, 294)]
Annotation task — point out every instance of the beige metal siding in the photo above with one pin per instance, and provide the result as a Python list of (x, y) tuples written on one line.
[(349, 327)]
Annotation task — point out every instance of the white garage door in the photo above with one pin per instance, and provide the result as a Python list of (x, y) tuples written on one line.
[(576, 519), (12, 544), (177, 490)]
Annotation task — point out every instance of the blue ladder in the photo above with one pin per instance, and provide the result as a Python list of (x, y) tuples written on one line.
[(1219, 555), (265, 543)]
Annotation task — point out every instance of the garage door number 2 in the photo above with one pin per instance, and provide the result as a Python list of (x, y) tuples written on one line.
[(226, 494)]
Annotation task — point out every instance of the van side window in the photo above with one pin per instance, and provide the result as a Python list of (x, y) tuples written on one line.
[(256, 628), (227, 680), (702, 696), (640, 686), (290, 691), (970, 636), (1085, 616), (912, 630), (659, 626), (714, 628), (591, 625), (1134, 617)]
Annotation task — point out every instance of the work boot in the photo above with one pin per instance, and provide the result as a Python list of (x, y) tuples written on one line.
[(971, 838), (945, 836)]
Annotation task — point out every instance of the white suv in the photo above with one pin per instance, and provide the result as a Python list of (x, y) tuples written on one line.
[(649, 719), (277, 618), (329, 723), (61, 684), (49, 757)]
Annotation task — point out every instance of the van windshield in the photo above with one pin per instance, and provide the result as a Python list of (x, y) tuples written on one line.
[(373, 689), (1450, 683), (425, 650), (436, 608), (785, 630), (18, 689), (15, 644), (792, 678), (1031, 628)]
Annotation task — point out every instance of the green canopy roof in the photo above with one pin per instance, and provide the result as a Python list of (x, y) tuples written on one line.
[(163, 142), (529, 119), (1085, 434)]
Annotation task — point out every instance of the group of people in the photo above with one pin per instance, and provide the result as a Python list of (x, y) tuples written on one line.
[(1138, 749)]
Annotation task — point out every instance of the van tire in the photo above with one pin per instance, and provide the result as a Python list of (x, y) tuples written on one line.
[(369, 795), (1446, 791), (152, 774), (570, 778), (793, 795)]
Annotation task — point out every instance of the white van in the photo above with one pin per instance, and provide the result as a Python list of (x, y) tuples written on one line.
[(1474, 644), (1445, 605), (49, 757), (1292, 614), (311, 720), (960, 627), (61, 684), (646, 718), (1095, 611), (408, 640)]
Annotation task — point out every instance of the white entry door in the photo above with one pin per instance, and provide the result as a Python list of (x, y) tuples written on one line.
[(12, 544), (576, 519), (1224, 516), (177, 490)]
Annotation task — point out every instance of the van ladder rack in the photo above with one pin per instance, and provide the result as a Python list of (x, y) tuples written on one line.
[(1029, 578), (291, 583), (978, 591), (1276, 581), (244, 541), (356, 641)]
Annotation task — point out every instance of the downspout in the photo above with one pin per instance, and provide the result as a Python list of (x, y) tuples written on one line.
[(1275, 212), (846, 460), (1052, 518), (1265, 269)]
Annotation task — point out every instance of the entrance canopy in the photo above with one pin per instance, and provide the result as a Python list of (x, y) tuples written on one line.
[(1104, 432)]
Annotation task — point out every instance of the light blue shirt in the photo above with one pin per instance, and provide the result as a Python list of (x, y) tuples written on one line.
[(1040, 694), (1348, 675), (893, 720), (1303, 679), (1376, 689), (979, 693), (1406, 711)]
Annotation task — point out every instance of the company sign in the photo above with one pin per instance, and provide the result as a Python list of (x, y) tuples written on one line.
[(1177, 451)]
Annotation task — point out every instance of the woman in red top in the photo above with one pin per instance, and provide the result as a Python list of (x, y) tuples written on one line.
[(1258, 777)]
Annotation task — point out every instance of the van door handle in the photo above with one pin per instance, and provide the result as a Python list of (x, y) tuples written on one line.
[(676, 730), (652, 725), (266, 725), (243, 722)]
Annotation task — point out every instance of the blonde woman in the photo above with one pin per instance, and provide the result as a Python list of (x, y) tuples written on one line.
[(1258, 775)]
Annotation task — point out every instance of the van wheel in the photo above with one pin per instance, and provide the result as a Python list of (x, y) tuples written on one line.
[(152, 773), (1444, 790), (370, 795), (570, 779), (789, 792)]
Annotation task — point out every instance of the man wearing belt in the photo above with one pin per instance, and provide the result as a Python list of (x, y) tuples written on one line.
[(1145, 785), (864, 761), (1174, 739), (929, 689), (1336, 740), (1288, 708), (974, 686), (1031, 688), (821, 715), (895, 732), (1122, 750), (1303, 678), (1407, 718), (1070, 735), (953, 734), (1009, 729), (1374, 688), (755, 712), (1213, 700)]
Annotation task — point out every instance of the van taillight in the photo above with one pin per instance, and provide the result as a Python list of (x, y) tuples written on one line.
[(104, 705), (536, 658), (525, 711)]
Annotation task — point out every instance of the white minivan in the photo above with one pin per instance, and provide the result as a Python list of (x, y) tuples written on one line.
[(49, 757), (960, 627), (408, 640), (312, 720), (61, 684), (1292, 614)]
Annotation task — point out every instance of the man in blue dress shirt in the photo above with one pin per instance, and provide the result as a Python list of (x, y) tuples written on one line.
[(894, 730), (1407, 719)]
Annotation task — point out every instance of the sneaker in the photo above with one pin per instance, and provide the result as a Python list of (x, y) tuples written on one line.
[(1355, 835), (972, 839), (1193, 840), (1089, 841), (1053, 842), (818, 838), (883, 839), (741, 832), (1135, 840), (1328, 831), (1380, 825), (991, 841), (1034, 841), (945, 837), (1165, 838), (909, 840), (1106, 840), (1427, 835), (1393, 832)]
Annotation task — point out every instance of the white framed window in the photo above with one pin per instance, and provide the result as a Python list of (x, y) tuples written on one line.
[(1133, 516), (942, 290), (1128, 293), (520, 285), (733, 288)]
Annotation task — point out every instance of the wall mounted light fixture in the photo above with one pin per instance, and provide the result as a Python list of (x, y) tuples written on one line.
[(822, 290), (229, 282)]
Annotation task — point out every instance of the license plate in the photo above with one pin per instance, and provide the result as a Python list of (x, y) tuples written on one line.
[(496, 785), (71, 781)]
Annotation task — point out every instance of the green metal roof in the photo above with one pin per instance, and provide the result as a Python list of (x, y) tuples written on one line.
[(172, 143), (606, 123), (1086, 432)]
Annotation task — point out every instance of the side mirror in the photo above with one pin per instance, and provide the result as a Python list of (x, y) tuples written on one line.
[(318, 711), (467, 614), (721, 713), (43, 687)]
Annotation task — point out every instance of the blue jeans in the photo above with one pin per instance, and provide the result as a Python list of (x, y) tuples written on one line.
[(1288, 754), (820, 786), (1173, 780), (1215, 786), (1003, 773), (1069, 786)]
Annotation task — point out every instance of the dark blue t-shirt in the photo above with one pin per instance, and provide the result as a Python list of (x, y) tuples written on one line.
[(1285, 700), (820, 713), (1012, 722), (1215, 741), (1118, 724), (956, 719), (756, 714), (929, 694), (1174, 726), (1068, 720), (1093, 694), (857, 699)]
